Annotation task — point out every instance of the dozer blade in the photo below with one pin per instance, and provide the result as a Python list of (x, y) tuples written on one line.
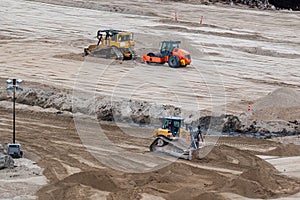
[(177, 148)]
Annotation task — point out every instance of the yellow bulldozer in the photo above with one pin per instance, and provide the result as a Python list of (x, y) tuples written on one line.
[(113, 44), (173, 139)]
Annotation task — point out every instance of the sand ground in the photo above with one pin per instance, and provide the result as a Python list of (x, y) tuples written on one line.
[(238, 56), (230, 170)]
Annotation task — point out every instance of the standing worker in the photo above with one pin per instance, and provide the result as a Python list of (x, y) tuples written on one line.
[(199, 136)]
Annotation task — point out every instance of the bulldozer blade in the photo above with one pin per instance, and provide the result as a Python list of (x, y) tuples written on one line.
[(179, 149), (174, 154)]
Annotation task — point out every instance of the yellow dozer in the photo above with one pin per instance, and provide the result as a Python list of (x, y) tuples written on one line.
[(113, 44), (173, 139)]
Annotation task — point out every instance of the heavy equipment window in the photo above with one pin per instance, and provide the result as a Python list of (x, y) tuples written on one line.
[(114, 38), (167, 124), (175, 45), (125, 38), (163, 45), (176, 124)]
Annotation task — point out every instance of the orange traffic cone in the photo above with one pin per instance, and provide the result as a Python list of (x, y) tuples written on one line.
[(176, 18), (201, 18)]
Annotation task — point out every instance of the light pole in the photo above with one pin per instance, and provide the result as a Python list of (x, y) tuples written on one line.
[(13, 86)]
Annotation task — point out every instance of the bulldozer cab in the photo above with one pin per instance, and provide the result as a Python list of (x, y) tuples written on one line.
[(173, 125), (113, 37), (167, 47)]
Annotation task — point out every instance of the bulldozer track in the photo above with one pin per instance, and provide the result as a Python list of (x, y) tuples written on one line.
[(118, 53)]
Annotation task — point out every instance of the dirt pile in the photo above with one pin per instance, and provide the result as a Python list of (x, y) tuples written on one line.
[(119, 110), (285, 150), (70, 188), (74, 174), (229, 157), (258, 179), (267, 115), (165, 182), (283, 103), (280, 116), (277, 112), (262, 183), (133, 111), (43, 97)]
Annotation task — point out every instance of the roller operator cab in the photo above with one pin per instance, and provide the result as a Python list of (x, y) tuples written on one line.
[(170, 53)]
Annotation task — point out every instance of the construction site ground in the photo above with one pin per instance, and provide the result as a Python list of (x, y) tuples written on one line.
[(230, 170), (238, 56)]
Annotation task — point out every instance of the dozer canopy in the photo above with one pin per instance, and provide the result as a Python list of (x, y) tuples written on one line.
[(114, 35), (173, 124)]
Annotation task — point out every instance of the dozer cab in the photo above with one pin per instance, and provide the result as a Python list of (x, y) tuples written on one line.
[(170, 53), (173, 139), (113, 44)]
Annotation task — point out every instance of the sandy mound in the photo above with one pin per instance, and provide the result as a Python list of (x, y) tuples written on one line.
[(230, 158), (164, 182), (285, 150), (283, 103), (261, 183), (193, 194), (258, 179), (74, 186), (251, 147)]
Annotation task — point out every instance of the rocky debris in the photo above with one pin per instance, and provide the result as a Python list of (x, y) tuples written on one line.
[(251, 3), (261, 4), (222, 123), (105, 112), (286, 4), (6, 161), (22, 181), (267, 116), (133, 111), (232, 124), (235, 124), (42, 98), (279, 127)]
